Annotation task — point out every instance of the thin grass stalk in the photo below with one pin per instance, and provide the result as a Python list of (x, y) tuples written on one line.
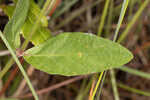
[(101, 26), (114, 85), (112, 72), (97, 85), (92, 86), (19, 65), (131, 6), (134, 90), (11, 61), (103, 17), (81, 91), (101, 85), (107, 32), (135, 72), (84, 90), (110, 17), (122, 14), (123, 10), (132, 22), (6, 67)]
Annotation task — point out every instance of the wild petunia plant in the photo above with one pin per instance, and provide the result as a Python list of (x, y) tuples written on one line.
[(68, 54)]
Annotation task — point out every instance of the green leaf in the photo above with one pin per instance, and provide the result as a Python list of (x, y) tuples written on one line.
[(34, 12), (42, 32), (13, 27), (72, 54)]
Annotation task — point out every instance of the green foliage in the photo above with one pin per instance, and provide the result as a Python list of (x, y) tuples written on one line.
[(19, 65), (68, 54), (42, 33), (133, 21), (12, 29), (76, 54)]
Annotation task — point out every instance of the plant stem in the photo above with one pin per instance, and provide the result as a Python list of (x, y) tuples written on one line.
[(92, 86), (20, 66), (101, 25), (122, 14), (11, 61), (99, 80), (135, 72), (107, 32), (137, 91), (25, 44), (114, 86), (123, 10), (132, 22), (7, 67), (109, 20), (84, 89), (101, 85)]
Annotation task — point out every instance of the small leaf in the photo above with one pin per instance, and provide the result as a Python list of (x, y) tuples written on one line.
[(13, 27), (76, 54)]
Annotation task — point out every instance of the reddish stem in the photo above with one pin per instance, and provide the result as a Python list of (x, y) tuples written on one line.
[(54, 7), (10, 78)]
